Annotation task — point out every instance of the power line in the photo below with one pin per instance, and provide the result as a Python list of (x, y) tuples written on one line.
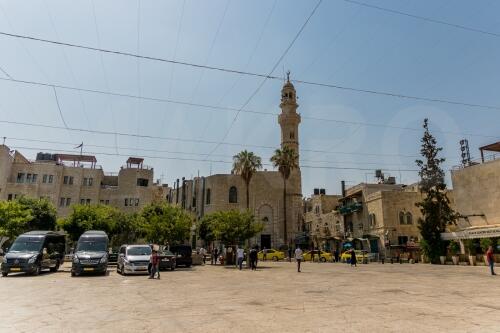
[(206, 161), (214, 107), (270, 73), (191, 140), (59, 108), (268, 76), (423, 18), (5, 73)]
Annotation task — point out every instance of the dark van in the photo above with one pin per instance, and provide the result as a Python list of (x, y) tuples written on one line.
[(182, 255), (91, 253), (33, 251)]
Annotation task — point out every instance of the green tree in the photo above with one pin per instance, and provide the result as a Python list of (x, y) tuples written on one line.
[(205, 228), (14, 219), (286, 160), (246, 164), (90, 217), (127, 230), (162, 223), (43, 211), (435, 206)]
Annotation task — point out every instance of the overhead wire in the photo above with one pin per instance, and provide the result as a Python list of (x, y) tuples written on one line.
[(226, 108), (268, 75), (5, 73)]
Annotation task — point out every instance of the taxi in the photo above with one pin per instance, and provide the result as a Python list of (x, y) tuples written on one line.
[(272, 254), (324, 256), (346, 256)]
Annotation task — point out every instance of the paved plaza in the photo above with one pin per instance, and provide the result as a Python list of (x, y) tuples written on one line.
[(323, 298)]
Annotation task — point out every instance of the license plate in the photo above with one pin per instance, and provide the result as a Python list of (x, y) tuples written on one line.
[(141, 267), (15, 269), (88, 269)]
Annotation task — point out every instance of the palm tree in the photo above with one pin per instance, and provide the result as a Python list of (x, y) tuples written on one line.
[(245, 164), (286, 160)]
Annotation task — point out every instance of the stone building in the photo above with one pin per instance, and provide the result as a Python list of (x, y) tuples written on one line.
[(67, 179), (204, 195), (476, 188)]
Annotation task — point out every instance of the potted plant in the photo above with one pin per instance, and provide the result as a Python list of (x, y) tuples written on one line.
[(485, 244), (471, 248), (454, 248)]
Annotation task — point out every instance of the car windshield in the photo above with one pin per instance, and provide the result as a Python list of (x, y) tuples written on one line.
[(167, 253), (139, 251), (91, 247), (25, 246)]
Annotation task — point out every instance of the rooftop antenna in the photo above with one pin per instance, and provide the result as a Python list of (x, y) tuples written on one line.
[(4, 140), (288, 76)]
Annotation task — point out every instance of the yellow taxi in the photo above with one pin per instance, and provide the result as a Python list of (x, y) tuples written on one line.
[(272, 254), (324, 256), (346, 256)]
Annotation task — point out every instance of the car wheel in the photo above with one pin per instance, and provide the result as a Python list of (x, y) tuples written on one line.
[(323, 259), (37, 270), (4, 274), (172, 267), (56, 268), (275, 258), (188, 265), (73, 274)]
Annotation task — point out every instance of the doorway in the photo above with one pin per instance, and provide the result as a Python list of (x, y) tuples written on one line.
[(265, 241)]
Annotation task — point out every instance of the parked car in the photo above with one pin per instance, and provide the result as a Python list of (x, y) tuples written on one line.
[(91, 253), (167, 260), (324, 256), (112, 257), (34, 251), (182, 255), (360, 256), (272, 254), (133, 259)]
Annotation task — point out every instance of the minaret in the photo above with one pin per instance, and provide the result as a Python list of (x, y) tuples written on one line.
[(289, 119)]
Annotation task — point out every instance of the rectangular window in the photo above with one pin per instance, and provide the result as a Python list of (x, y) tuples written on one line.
[(65, 180), (34, 178), (51, 179), (136, 202), (107, 202), (84, 181), (9, 197), (101, 202), (142, 182), (68, 201), (44, 179), (82, 201), (88, 201), (61, 202), (90, 181), (28, 178), (71, 180), (126, 202), (20, 177)]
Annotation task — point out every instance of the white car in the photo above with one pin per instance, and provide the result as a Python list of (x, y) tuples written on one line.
[(133, 259)]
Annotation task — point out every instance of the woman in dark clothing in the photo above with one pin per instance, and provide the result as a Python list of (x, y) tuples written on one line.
[(253, 259), (354, 260)]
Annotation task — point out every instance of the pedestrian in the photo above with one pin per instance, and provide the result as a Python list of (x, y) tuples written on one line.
[(298, 257), (264, 253), (215, 255), (491, 259), (336, 255), (203, 252), (253, 259), (290, 254), (155, 265), (240, 253), (354, 260), (312, 255)]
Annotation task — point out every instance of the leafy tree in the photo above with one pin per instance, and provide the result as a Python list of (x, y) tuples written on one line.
[(286, 160), (162, 223), (435, 206), (43, 211), (90, 217), (128, 229), (14, 219), (205, 228), (246, 165)]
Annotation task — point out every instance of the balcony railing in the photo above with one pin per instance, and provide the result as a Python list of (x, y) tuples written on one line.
[(350, 208)]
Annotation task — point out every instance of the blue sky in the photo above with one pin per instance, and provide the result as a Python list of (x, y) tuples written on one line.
[(344, 44)]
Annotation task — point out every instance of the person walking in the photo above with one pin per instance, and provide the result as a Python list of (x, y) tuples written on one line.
[(336, 255), (290, 254), (253, 259), (215, 255), (264, 254), (203, 252), (155, 265), (491, 259), (240, 253), (298, 257), (354, 260)]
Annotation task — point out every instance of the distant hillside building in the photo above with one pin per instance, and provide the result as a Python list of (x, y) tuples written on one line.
[(204, 195), (67, 179)]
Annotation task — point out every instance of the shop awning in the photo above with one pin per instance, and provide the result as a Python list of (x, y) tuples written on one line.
[(473, 232)]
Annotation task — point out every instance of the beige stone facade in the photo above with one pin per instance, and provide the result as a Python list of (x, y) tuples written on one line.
[(204, 195), (71, 179)]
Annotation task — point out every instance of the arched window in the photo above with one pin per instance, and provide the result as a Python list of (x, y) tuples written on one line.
[(208, 199), (316, 209), (265, 219), (409, 218), (233, 194), (292, 135), (401, 218), (372, 220)]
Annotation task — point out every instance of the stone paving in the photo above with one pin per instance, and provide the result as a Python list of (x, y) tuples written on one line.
[(325, 297)]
